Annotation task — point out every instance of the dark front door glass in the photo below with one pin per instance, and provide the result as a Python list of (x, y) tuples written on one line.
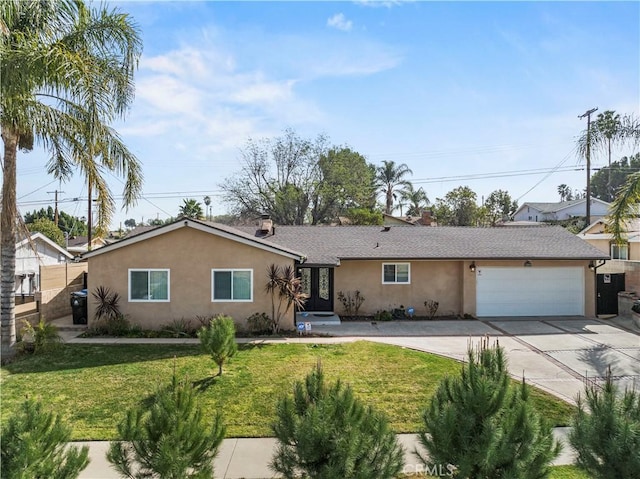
[(318, 284)]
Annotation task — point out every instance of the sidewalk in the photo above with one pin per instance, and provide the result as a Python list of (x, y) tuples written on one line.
[(243, 458)]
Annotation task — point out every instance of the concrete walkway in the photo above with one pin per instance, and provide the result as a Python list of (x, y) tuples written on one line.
[(249, 458), (554, 354)]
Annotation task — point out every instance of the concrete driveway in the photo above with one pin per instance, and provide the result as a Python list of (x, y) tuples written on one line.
[(555, 354)]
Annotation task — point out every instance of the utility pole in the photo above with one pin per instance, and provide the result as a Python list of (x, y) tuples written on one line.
[(89, 217), (588, 155), (55, 202)]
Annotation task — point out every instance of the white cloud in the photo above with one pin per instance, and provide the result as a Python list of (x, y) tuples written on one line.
[(340, 22)]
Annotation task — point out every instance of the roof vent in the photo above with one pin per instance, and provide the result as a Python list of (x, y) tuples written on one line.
[(386, 228)]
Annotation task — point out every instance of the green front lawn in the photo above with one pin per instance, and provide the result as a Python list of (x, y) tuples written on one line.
[(93, 385)]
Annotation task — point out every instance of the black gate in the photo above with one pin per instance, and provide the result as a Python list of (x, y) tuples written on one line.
[(608, 285)]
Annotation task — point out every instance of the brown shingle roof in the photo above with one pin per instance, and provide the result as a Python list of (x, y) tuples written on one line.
[(330, 244)]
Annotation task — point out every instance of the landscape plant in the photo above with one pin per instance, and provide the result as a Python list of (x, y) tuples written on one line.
[(431, 307), (325, 432), (606, 431), (169, 439), (218, 339), (106, 302), (286, 293), (34, 446), (485, 426), (41, 339), (351, 301), (259, 323)]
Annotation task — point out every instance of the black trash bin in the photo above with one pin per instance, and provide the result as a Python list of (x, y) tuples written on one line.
[(79, 306)]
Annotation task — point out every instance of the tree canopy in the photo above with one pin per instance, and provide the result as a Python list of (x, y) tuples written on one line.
[(298, 180), (66, 223), (457, 208), (389, 177), (191, 209), (606, 182)]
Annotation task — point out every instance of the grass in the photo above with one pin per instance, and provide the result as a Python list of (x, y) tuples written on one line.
[(93, 385)]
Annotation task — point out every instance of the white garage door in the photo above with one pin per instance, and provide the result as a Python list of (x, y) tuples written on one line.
[(522, 291)]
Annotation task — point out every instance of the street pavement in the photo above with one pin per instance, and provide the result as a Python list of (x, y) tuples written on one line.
[(558, 355)]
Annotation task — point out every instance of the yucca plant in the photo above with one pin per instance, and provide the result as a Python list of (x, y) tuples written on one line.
[(283, 284), (106, 302)]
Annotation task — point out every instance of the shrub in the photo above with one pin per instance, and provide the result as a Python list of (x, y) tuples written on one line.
[(323, 431), (118, 326), (259, 323), (34, 446), (169, 439), (484, 426), (383, 315), (179, 328), (351, 301), (106, 302), (219, 340), (432, 308), (607, 439), (44, 337)]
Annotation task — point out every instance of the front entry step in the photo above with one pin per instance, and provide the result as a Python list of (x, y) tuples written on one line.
[(318, 318)]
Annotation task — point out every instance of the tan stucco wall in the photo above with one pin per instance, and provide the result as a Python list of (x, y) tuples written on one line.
[(435, 280), (603, 245), (451, 283), (190, 255)]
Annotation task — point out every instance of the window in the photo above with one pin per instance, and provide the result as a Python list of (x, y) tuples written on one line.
[(619, 251), (395, 273), (149, 285), (231, 285)]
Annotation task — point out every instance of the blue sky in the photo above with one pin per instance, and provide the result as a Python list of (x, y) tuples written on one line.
[(453, 89)]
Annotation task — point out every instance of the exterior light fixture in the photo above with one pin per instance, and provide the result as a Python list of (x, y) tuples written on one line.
[(472, 267), (592, 266), (527, 264)]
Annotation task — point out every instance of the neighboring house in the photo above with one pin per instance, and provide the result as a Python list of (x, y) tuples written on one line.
[(596, 234), (189, 268), (77, 245), (563, 210), (31, 253)]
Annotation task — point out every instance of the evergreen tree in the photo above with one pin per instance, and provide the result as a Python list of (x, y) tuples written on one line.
[(608, 439), (484, 426), (324, 432), (47, 228), (169, 440), (34, 446), (219, 340)]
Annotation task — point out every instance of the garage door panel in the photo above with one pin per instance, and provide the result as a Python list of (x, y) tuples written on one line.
[(528, 291)]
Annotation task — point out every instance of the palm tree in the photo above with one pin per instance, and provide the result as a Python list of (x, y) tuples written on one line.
[(191, 209), (66, 72), (417, 199), (564, 191), (388, 177)]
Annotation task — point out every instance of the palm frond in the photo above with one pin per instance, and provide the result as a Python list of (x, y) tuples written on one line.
[(624, 207)]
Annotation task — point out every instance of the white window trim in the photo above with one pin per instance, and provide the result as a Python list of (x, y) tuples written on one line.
[(621, 247), (148, 270), (396, 274), (232, 270)]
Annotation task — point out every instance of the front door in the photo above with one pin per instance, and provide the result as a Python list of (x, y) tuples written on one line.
[(317, 282), (608, 287)]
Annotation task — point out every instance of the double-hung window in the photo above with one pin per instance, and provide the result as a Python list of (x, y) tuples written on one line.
[(619, 251), (232, 285), (396, 273), (149, 285)]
